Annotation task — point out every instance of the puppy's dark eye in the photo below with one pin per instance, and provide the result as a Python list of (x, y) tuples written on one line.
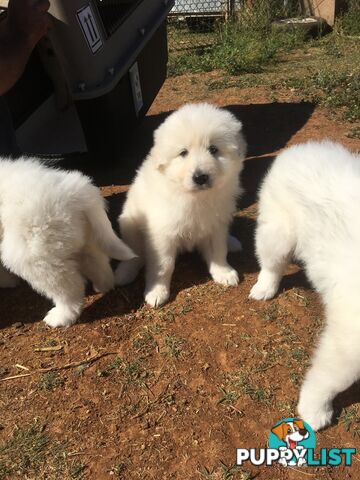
[(184, 152), (213, 149)]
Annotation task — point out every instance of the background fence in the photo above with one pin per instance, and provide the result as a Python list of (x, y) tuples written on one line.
[(197, 23)]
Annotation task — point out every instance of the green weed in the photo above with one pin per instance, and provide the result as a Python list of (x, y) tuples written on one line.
[(144, 342), (49, 381), (173, 346), (227, 397), (30, 452), (118, 469), (349, 23), (133, 372), (114, 365), (351, 420), (255, 392)]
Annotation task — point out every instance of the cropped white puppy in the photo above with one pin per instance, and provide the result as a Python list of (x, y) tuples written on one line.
[(54, 233), (310, 208), (183, 198)]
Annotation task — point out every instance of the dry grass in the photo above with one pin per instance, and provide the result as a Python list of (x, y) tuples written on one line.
[(31, 453)]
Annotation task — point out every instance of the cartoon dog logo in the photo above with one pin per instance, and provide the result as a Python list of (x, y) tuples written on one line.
[(291, 433)]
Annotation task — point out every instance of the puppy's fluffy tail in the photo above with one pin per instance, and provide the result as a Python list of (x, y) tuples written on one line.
[(103, 233)]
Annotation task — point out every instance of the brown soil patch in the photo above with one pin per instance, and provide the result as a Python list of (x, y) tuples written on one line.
[(185, 385)]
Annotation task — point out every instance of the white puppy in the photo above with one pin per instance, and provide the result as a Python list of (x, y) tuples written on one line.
[(310, 208), (183, 198), (54, 233)]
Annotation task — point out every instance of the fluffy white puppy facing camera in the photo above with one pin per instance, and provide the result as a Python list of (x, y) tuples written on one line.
[(183, 198)]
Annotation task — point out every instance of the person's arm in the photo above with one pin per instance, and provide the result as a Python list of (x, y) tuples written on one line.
[(26, 22)]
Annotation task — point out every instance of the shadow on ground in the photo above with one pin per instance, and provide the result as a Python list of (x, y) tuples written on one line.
[(22, 305), (252, 177), (346, 399), (267, 128)]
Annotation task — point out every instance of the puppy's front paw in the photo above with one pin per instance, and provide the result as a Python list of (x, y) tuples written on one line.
[(225, 276), (58, 317), (263, 291), (317, 417), (157, 296)]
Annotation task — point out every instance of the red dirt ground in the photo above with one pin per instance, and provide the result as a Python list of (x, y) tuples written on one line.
[(176, 390)]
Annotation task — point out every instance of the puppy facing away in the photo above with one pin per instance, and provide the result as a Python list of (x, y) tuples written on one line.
[(54, 233), (310, 207), (183, 198)]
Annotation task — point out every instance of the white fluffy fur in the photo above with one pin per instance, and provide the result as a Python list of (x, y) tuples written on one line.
[(309, 207), (54, 233), (167, 212)]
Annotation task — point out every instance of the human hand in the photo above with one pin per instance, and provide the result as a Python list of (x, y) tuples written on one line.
[(29, 19)]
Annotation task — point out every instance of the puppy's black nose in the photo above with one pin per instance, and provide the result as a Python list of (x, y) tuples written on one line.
[(200, 178)]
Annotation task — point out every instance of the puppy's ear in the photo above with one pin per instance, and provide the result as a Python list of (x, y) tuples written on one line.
[(279, 431), (241, 146), (235, 135), (235, 125), (157, 158), (157, 153)]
